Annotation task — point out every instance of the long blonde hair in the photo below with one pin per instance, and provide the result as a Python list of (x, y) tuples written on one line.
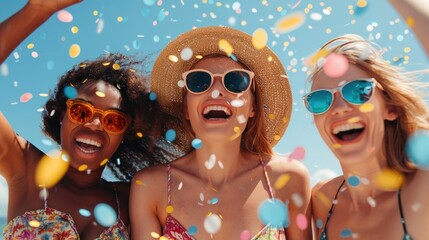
[(399, 91)]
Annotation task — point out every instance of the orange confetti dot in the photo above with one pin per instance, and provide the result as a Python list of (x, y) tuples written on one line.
[(277, 137), (410, 21), (259, 38), (169, 209), (362, 3), (104, 162), (34, 223), (367, 107), (225, 46), (282, 181), (139, 182), (74, 29), (82, 167), (389, 180), (290, 22), (173, 58), (139, 134), (74, 51), (50, 170)]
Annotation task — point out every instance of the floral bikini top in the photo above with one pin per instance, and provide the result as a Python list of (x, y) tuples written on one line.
[(174, 230), (49, 223)]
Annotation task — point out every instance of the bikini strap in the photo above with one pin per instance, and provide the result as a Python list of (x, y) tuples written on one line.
[(266, 177), (169, 184), (404, 226), (118, 204), (45, 196), (332, 207)]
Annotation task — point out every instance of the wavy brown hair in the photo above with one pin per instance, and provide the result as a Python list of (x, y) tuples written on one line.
[(400, 91)]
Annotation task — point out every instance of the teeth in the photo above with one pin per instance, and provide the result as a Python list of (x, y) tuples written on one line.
[(89, 142), (217, 108), (347, 127)]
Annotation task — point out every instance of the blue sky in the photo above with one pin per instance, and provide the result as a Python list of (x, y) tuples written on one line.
[(146, 26)]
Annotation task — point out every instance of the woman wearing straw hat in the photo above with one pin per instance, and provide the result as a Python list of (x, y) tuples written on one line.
[(230, 104), (371, 117)]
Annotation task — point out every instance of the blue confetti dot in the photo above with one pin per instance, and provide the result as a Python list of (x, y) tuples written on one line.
[(274, 212), (105, 215), (156, 38), (197, 143), (319, 223), (70, 92), (214, 201), (345, 233), (50, 65), (84, 212), (161, 15), (152, 96), (137, 44), (417, 149), (170, 135), (145, 12), (353, 181), (47, 142), (192, 230), (233, 57)]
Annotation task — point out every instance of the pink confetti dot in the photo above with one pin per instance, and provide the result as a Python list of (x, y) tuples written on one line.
[(34, 54), (65, 16), (159, 3), (298, 153), (245, 235), (25, 97), (301, 221), (155, 23), (336, 65)]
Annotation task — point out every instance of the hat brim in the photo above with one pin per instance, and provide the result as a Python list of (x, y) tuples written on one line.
[(270, 77)]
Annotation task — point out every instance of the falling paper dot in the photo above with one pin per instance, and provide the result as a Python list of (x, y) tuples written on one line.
[(169, 209), (282, 181), (74, 29), (298, 153), (4, 69), (152, 96), (290, 22), (417, 148), (105, 214), (186, 54), (64, 16), (212, 223), (353, 181), (84, 212), (74, 51), (345, 233), (100, 26), (274, 212), (197, 143), (192, 230), (170, 135), (301, 221), (335, 65), (366, 107), (70, 92), (225, 46), (389, 180), (173, 58), (50, 170), (259, 38), (25, 97)]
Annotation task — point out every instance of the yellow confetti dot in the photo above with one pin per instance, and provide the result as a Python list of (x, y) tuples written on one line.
[(34, 223), (410, 21), (312, 60), (169, 209), (173, 58), (74, 29), (353, 21), (271, 116), (30, 46), (95, 13), (50, 170), (323, 198), (277, 137), (270, 59), (43, 94), (100, 94), (284, 120), (259, 38), (328, 30), (350, 7), (116, 66), (154, 235), (306, 10), (74, 51), (407, 49), (163, 238), (139, 134), (204, 1), (218, 4), (367, 107), (120, 19), (139, 182), (389, 180), (336, 145), (351, 12), (310, 6), (106, 64), (290, 22), (361, 3), (406, 58), (279, 8), (82, 167), (354, 119), (286, 44), (237, 132), (282, 181), (104, 162), (243, 23), (225, 46)]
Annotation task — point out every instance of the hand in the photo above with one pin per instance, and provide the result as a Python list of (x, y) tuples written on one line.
[(51, 6)]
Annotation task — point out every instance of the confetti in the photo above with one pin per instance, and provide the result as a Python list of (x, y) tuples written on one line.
[(197, 143), (50, 170), (274, 212), (105, 215), (417, 148), (64, 16), (170, 135), (336, 65), (74, 51), (259, 38), (212, 223), (290, 22), (25, 97)]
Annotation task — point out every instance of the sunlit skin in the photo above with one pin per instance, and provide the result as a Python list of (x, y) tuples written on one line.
[(239, 185), (364, 157)]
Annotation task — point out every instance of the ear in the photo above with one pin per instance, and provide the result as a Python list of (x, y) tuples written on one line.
[(391, 113), (252, 111)]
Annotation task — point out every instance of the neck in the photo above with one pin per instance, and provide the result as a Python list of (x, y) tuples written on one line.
[(365, 174), (82, 179), (219, 161)]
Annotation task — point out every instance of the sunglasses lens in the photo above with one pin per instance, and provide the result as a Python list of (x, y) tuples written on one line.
[(237, 81), (358, 91), (319, 101), (198, 82), (79, 113), (114, 122)]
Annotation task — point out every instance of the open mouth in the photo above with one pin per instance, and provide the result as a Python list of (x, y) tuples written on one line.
[(214, 112), (348, 132), (88, 145)]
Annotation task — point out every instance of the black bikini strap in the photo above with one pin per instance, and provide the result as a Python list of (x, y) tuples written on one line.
[(404, 226), (332, 206)]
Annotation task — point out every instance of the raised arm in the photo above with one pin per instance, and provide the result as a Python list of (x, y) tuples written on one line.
[(19, 26), (415, 12)]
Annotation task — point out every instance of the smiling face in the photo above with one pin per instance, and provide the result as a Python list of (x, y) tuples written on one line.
[(217, 113), (352, 132), (89, 143)]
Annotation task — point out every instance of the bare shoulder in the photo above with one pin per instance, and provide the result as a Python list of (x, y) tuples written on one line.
[(283, 165), (323, 194), (150, 175)]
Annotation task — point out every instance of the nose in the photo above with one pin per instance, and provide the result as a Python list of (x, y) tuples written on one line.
[(94, 123), (339, 105), (217, 85)]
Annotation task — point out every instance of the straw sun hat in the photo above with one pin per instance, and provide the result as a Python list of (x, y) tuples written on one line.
[(272, 85)]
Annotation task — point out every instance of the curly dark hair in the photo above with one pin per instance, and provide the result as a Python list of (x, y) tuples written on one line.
[(139, 148)]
